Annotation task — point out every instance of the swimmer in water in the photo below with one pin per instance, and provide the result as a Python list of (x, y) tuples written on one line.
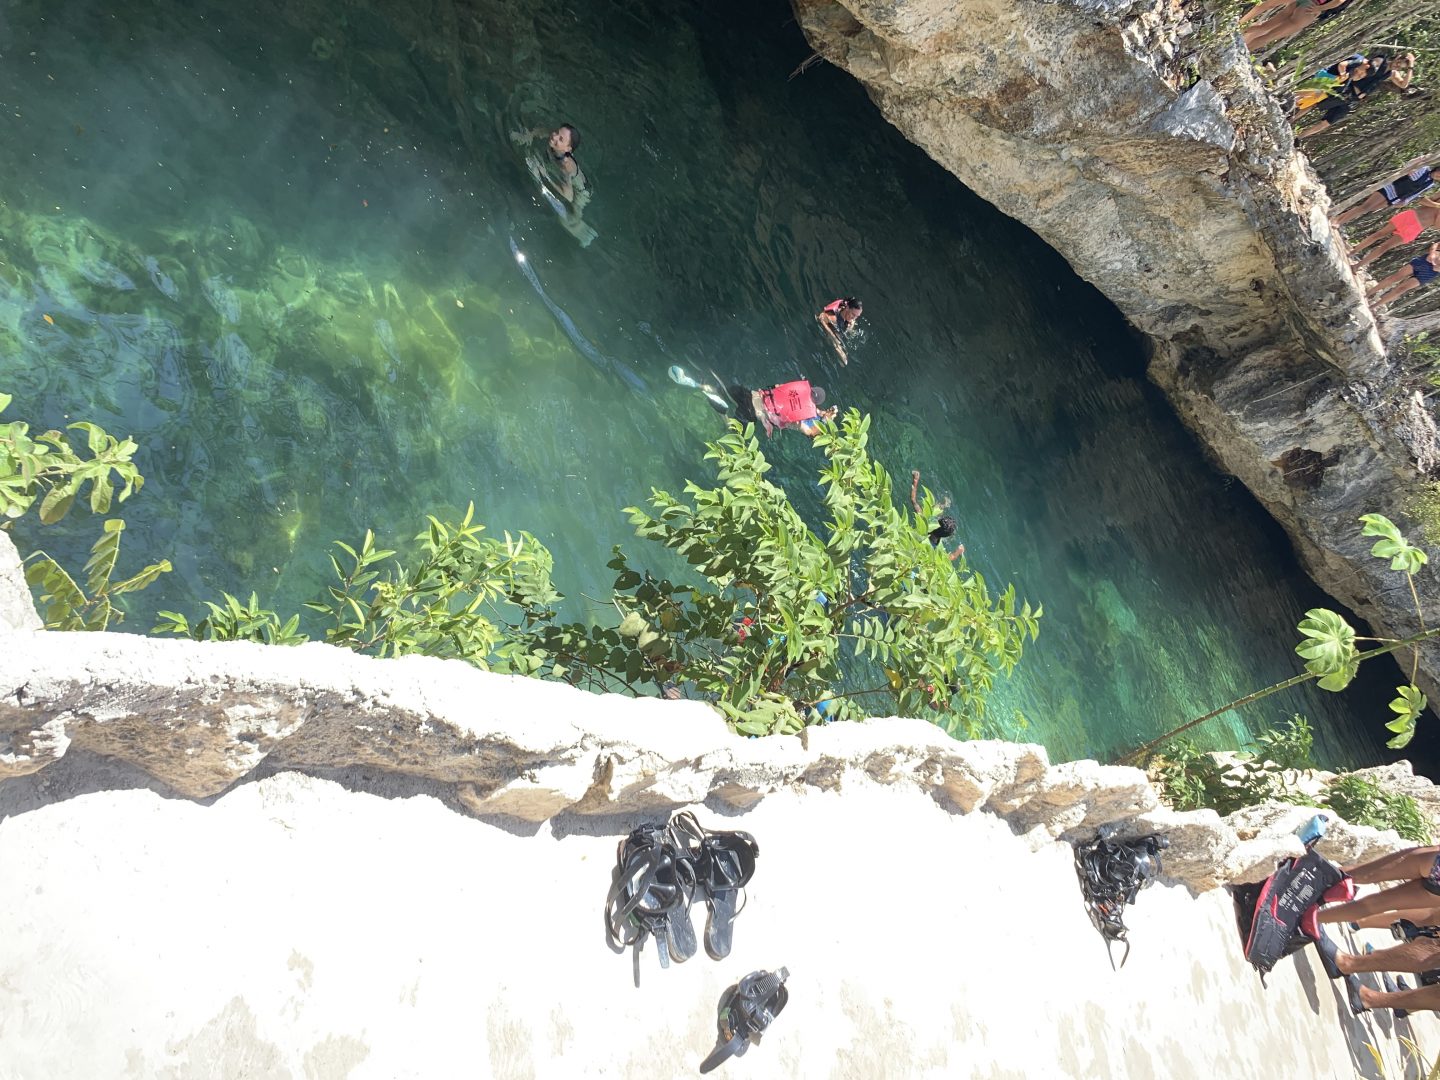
[(838, 319), (679, 376), (946, 526), (560, 176), (795, 404)]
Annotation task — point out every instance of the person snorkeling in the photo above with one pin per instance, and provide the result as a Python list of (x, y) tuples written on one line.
[(795, 404), (946, 526), (838, 319)]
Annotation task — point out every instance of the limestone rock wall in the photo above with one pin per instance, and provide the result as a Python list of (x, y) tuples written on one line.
[(1135, 138), (196, 718), (233, 860)]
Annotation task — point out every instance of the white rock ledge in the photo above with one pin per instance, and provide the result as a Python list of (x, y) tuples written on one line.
[(200, 716)]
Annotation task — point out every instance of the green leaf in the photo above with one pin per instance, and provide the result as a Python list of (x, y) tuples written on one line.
[(5, 400), (1329, 649), (144, 578), (56, 504), (1392, 545), (103, 554)]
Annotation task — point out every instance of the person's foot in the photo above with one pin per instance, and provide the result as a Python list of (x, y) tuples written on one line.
[(1368, 997)]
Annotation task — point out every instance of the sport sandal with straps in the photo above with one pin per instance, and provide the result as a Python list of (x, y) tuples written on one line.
[(724, 864), (746, 1010), (651, 895)]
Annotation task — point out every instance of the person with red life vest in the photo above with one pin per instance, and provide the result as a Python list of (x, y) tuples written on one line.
[(795, 404), (838, 319)]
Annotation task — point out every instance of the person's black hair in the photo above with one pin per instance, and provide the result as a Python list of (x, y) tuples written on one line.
[(854, 304), (574, 135), (944, 529)]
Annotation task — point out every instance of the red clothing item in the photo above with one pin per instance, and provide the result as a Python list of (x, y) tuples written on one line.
[(790, 403)]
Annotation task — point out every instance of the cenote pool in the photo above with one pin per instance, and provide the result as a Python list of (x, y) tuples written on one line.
[(273, 242)]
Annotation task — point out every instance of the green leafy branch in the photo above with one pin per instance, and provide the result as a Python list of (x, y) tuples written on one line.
[(1329, 646), (47, 468)]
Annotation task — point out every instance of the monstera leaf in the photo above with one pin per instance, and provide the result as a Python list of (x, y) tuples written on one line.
[(1392, 545), (1329, 648), (1408, 706)]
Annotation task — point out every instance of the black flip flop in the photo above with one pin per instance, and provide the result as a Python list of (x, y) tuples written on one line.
[(724, 865), (746, 1010), (1328, 951), (651, 896), (1352, 991)]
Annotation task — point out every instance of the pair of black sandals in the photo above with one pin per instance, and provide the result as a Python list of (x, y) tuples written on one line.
[(661, 869)]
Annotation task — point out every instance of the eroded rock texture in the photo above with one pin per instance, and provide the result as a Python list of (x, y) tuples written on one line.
[(199, 717), (1136, 140)]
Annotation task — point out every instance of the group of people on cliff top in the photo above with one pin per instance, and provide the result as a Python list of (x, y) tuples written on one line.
[(1410, 909), (1409, 194), (1330, 94)]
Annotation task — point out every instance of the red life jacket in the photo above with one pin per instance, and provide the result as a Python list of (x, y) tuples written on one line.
[(833, 306), (790, 402)]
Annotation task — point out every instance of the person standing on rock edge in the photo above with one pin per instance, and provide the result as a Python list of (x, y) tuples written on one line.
[(1291, 17), (1398, 190), (1419, 271), (1400, 230)]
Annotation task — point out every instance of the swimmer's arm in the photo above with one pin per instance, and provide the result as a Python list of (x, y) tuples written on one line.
[(914, 488), (959, 550), (565, 188)]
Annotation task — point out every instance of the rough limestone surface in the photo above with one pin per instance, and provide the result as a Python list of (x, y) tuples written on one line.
[(230, 861), (1134, 137), (17, 613)]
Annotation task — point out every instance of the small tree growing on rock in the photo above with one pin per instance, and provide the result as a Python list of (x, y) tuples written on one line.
[(782, 619)]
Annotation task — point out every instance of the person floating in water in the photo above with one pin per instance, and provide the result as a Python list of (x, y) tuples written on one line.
[(561, 179), (1418, 271), (838, 319), (946, 526), (794, 404)]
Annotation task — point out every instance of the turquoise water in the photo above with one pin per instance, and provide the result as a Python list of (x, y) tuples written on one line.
[(275, 245)]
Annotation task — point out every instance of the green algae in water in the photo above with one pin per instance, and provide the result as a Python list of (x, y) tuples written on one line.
[(302, 301)]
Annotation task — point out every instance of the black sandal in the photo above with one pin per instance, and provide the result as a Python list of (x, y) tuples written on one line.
[(724, 864), (651, 896), (746, 1010)]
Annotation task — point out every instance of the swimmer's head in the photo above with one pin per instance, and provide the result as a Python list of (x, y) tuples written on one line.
[(944, 529), (565, 139), (817, 395), (854, 305)]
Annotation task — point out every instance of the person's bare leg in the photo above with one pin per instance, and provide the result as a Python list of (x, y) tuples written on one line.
[(1422, 954), (1385, 299), (1366, 206), (1415, 862), (1410, 894), (1281, 26), (1383, 920), (1422, 997), (1377, 243)]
